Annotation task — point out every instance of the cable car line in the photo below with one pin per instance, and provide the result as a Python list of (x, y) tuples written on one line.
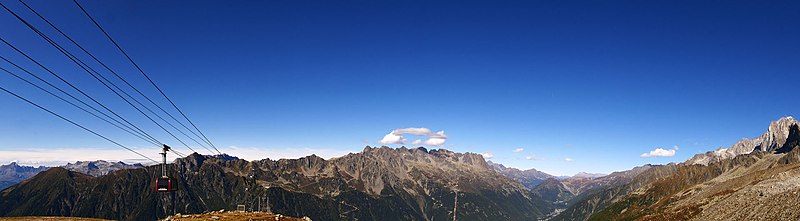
[(73, 123), (68, 83), (75, 105), (115, 74), (143, 73), (90, 71), (82, 102)]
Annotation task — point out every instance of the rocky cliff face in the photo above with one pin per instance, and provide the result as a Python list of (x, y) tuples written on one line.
[(375, 184), (14, 173), (770, 141), (99, 167)]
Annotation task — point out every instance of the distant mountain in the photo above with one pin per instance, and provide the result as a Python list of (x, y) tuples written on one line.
[(13, 173), (589, 175), (529, 178), (583, 182), (375, 184), (99, 167), (771, 140)]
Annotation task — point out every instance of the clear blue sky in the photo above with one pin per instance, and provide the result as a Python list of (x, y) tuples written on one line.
[(600, 82)]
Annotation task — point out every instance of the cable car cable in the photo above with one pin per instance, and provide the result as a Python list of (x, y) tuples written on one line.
[(73, 123), (81, 101), (75, 105), (143, 73), (90, 70), (70, 84), (113, 72)]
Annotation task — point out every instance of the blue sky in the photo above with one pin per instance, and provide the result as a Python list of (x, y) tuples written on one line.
[(598, 82)]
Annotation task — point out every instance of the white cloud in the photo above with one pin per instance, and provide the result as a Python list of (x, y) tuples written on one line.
[(659, 152), (519, 150), (435, 141), (393, 138), (568, 159), (397, 136), (487, 155), (416, 142)]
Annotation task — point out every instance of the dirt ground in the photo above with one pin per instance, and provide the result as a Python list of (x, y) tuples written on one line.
[(234, 215)]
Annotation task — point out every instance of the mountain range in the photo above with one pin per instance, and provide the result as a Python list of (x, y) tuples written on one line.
[(14, 173), (375, 184), (382, 183)]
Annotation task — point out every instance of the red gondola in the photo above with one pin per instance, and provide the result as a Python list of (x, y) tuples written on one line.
[(164, 184)]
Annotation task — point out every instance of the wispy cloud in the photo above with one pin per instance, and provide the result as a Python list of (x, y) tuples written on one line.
[(487, 155), (660, 152), (568, 159), (532, 157), (519, 150), (397, 136)]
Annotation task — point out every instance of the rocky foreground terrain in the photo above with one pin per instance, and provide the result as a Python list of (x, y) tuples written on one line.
[(233, 216)]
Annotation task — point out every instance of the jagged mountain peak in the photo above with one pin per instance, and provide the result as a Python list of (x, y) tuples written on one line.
[(770, 141)]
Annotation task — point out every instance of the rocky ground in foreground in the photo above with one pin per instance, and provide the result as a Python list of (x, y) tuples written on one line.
[(234, 215)]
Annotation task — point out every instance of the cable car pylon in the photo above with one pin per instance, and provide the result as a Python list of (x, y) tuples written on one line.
[(164, 183)]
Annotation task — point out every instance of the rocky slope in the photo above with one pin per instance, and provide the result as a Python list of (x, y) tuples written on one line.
[(14, 173), (770, 141), (99, 167), (375, 184)]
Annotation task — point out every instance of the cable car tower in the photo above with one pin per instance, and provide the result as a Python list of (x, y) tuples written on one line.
[(164, 183)]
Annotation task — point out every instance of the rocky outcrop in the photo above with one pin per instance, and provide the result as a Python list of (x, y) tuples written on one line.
[(769, 141)]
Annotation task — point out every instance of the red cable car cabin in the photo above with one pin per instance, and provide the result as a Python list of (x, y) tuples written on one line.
[(164, 184)]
